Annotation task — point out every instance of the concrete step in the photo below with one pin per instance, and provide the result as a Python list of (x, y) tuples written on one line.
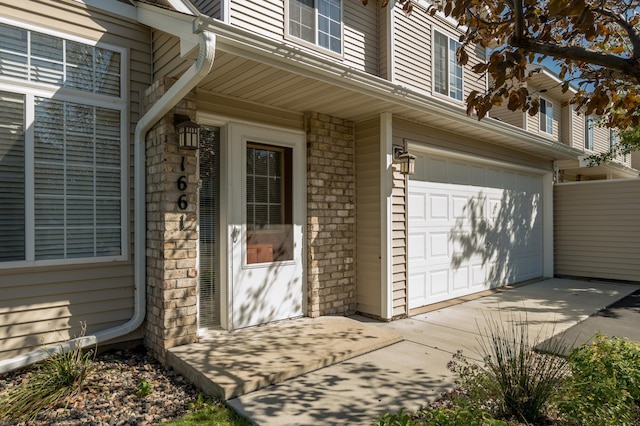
[(230, 364)]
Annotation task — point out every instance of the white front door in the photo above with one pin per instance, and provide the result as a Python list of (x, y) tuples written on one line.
[(267, 193)]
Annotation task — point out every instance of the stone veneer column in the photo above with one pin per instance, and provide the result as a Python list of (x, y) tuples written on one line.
[(330, 215), (171, 231)]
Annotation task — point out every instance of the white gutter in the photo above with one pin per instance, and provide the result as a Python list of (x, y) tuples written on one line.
[(191, 77)]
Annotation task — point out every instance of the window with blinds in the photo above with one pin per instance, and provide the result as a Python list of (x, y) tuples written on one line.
[(269, 208), (447, 74), (209, 222), (12, 190), (60, 160)]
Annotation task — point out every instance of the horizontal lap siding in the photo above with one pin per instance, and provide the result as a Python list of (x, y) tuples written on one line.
[(597, 231), (578, 127), (399, 243), (361, 47), (412, 50), (368, 233), (515, 118), (46, 304), (265, 17), (601, 140), (167, 61), (437, 138)]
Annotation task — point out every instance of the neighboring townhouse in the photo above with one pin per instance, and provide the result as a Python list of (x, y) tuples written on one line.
[(296, 202), (559, 121)]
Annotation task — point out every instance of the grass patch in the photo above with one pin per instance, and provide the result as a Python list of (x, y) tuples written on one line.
[(209, 412)]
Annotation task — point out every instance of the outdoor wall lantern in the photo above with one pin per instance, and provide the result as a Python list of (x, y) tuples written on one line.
[(188, 132), (407, 161)]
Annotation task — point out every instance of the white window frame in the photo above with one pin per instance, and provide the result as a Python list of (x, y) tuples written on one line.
[(448, 61), (589, 133), (546, 119), (314, 45), (31, 90), (613, 138)]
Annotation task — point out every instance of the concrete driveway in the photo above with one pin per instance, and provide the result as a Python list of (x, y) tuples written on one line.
[(412, 372)]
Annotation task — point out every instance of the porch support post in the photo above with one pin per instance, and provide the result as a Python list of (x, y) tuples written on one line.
[(171, 199), (331, 212)]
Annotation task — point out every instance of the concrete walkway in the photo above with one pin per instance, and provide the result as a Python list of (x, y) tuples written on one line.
[(387, 376)]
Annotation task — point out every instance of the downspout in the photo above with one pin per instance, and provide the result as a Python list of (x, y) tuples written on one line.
[(189, 80)]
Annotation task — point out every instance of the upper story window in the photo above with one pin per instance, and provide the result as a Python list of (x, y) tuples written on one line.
[(38, 57), (447, 74), (318, 22), (613, 138), (546, 116), (589, 133), (61, 151)]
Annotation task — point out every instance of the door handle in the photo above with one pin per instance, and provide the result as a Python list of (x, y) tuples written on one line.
[(234, 234)]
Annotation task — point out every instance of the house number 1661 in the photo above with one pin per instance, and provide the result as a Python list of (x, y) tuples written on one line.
[(182, 186)]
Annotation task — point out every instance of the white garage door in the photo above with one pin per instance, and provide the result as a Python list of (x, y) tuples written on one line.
[(471, 227)]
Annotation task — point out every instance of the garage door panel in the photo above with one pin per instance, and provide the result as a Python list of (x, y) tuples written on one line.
[(417, 207), (418, 244), (460, 206), (482, 228), (439, 283), (439, 247), (439, 207), (461, 279), (478, 276), (418, 295)]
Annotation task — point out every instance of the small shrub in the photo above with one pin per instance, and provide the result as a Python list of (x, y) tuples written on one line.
[(57, 379), (144, 388), (518, 379), (605, 385)]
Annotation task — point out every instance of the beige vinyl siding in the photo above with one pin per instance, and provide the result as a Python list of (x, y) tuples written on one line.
[(368, 218), (399, 243), (46, 304), (413, 52), (167, 61), (578, 128), (601, 140), (384, 16), (515, 118), (265, 17), (211, 8), (596, 227), (443, 140), (567, 119), (361, 26)]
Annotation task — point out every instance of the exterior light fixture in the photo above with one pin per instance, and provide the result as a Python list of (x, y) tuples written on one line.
[(407, 161), (188, 132)]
